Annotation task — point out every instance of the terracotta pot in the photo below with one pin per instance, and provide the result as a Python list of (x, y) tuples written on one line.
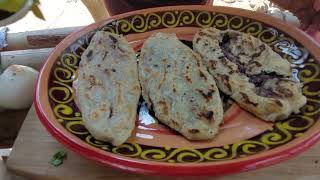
[(118, 7)]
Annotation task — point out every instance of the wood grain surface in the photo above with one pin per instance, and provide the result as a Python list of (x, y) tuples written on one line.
[(34, 147)]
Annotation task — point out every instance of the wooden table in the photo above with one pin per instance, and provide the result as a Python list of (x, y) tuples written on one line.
[(34, 147)]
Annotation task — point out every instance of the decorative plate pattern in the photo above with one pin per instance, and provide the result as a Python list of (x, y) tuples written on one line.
[(62, 95)]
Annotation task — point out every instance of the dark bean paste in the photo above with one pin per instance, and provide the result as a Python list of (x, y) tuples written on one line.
[(224, 45), (258, 79)]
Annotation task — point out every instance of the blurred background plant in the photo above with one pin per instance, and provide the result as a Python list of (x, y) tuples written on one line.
[(13, 10)]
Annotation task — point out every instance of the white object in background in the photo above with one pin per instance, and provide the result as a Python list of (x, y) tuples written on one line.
[(275, 12), (290, 18), (263, 6), (17, 84)]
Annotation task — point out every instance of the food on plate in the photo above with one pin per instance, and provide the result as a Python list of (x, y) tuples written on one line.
[(178, 87), (17, 84), (108, 88), (247, 69)]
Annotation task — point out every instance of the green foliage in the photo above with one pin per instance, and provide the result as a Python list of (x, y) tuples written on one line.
[(11, 5), (58, 158), (15, 5)]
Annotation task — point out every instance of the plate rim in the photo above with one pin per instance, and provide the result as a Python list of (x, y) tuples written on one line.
[(262, 159)]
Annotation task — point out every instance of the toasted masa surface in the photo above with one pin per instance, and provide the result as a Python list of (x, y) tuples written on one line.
[(178, 87), (248, 70), (108, 88)]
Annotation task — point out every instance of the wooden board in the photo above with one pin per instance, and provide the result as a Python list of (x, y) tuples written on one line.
[(10, 123), (34, 147)]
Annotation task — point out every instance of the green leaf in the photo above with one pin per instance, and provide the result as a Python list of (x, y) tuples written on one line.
[(11, 5), (58, 158), (37, 12)]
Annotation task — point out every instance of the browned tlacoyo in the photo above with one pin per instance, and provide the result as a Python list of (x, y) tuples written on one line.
[(247, 69), (108, 89), (179, 88)]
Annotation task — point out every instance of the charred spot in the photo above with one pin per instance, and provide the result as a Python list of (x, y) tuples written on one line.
[(105, 55), (111, 112), (168, 66), (247, 100), (206, 95), (285, 92), (225, 80), (212, 64), (188, 79), (113, 70), (155, 65), (225, 38), (164, 106), (201, 33), (104, 107), (174, 89), (94, 115), (257, 64), (208, 115), (241, 68), (277, 101), (98, 65), (92, 78), (261, 49), (162, 103), (233, 71), (266, 92), (121, 50), (89, 54), (253, 64), (198, 39), (226, 64), (113, 39), (173, 122), (198, 60), (221, 57), (148, 70), (202, 75), (107, 72), (193, 131)]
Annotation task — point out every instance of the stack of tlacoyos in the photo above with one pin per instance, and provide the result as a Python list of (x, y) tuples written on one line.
[(182, 85)]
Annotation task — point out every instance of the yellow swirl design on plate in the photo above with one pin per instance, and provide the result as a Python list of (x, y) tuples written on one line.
[(62, 95), (237, 23), (264, 38), (90, 140), (76, 123), (132, 150), (65, 112)]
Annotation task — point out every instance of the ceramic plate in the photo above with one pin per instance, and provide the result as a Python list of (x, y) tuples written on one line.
[(244, 142)]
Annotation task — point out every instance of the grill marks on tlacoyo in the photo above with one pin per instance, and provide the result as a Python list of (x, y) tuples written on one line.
[(108, 89), (250, 72), (175, 81), (257, 79)]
